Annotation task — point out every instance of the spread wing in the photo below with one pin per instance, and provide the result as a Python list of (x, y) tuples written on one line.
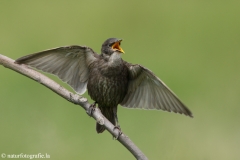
[(70, 63), (147, 91)]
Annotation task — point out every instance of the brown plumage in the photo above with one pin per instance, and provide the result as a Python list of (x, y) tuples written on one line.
[(110, 80)]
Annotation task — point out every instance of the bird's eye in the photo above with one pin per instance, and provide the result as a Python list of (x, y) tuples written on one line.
[(110, 45)]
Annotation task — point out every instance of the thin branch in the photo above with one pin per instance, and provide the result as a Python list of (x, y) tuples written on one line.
[(74, 98)]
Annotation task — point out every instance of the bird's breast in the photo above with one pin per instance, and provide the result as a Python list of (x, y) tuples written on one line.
[(107, 90)]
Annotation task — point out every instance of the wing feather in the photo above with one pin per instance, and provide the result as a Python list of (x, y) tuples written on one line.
[(147, 91), (70, 64)]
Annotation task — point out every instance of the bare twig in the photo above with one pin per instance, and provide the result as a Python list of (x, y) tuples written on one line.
[(74, 98)]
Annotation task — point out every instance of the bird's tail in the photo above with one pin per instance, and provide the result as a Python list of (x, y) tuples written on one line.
[(108, 112)]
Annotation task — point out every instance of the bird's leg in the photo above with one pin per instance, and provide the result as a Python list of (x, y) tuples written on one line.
[(91, 109), (117, 126), (119, 133)]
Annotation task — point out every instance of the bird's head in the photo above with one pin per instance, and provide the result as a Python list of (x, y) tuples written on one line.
[(110, 46)]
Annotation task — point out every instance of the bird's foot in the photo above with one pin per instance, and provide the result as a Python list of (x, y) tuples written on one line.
[(119, 132), (91, 109)]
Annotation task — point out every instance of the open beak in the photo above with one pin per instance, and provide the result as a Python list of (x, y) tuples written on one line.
[(116, 46)]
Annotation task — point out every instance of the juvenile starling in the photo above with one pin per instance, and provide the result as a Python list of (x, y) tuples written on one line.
[(109, 79)]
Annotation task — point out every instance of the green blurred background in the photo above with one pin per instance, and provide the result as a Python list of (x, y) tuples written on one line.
[(193, 46)]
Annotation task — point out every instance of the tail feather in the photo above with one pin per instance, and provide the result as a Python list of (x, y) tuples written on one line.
[(109, 114)]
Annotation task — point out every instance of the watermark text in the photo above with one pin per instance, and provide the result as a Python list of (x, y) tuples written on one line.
[(25, 156)]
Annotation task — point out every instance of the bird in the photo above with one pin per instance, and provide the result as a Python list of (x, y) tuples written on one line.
[(109, 79)]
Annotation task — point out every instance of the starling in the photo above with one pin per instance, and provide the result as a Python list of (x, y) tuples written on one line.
[(109, 79)]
